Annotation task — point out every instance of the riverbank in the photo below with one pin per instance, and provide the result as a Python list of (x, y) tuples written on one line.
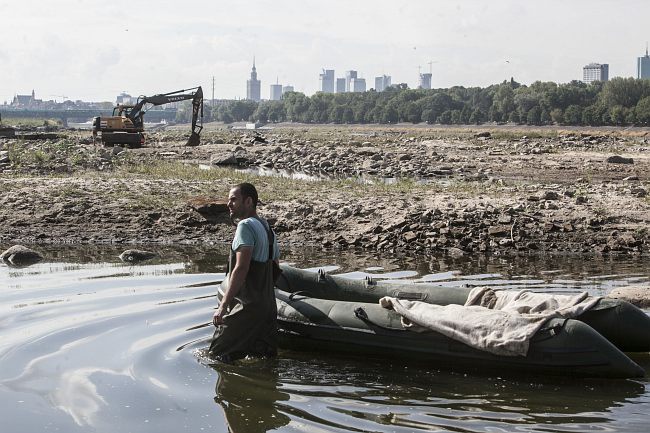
[(399, 189)]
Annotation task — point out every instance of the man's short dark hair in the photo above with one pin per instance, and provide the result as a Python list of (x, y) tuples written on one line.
[(248, 190)]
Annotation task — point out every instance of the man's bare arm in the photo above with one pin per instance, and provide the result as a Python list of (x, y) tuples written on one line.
[(236, 281)]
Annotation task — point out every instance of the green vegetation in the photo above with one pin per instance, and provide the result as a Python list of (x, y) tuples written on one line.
[(618, 102), (42, 156)]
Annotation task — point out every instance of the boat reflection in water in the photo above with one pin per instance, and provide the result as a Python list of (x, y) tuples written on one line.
[(300, 391)]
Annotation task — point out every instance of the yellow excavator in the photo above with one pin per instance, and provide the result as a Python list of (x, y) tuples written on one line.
[(126, 125)]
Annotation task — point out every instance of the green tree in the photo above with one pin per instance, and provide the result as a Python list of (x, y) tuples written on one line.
[(544, 117), (643, 111), (557, 116), (617, 114), (296, 105), (533, 117), (428, 115), (573, 115), (389, 114), (477, 116), (623, 91), (445, 117), (277, 112), (592, 115), (504, 98)]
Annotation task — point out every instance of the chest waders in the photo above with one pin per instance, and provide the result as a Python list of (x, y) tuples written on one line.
[(250, 327)]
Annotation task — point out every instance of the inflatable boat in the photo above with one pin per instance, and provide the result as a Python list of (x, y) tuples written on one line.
[(561, 347), (321, 312), (623, 324)]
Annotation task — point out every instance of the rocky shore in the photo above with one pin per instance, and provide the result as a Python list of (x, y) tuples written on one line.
[(400, 189)]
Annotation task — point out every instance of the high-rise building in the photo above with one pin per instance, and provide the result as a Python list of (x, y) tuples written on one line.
[(349, 75), (286, 89), (253, 86), (327, 81), (340, 85), (643, 65), (276, 92), (125, 99), (595, 72), (425, 80), (357, 84), (382, 83)]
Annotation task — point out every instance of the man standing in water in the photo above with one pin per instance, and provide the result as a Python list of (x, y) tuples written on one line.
[(246, 318)]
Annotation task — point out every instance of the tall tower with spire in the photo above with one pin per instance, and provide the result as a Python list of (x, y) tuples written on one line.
[(253, 85), (643, 65)]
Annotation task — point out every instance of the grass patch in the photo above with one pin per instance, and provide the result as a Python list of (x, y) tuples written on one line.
[(41, 155), (218, 180), (21, 155)]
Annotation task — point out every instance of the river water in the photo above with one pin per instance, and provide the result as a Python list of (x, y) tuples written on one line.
[(91, 344)]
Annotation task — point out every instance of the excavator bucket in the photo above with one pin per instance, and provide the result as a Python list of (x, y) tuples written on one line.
[(194, 140)]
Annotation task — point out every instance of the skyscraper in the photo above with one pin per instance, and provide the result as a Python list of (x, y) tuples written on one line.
[(276, 92), (425, 80), (643, 65), (349, 75), (595, 72), (340, 85), (357, 84), (327, 81), (286, 89), (382, 83), (253, 86)]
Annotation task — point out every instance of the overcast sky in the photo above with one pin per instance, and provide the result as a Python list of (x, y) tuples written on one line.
[(93, 50)]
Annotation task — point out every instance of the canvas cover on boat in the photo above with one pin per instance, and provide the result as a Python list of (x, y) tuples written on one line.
[(498, 321)]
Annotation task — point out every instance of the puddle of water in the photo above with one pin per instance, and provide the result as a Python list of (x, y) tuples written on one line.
[(310, 177)]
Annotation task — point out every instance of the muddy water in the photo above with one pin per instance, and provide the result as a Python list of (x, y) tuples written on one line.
[(90, 344)]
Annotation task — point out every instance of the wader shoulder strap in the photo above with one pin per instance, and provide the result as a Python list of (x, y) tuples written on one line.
[(271, 236)]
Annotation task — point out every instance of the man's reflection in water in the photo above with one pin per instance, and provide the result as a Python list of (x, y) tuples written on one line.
[(248, 393)]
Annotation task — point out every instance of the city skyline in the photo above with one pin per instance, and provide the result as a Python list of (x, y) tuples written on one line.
[(96, 52)]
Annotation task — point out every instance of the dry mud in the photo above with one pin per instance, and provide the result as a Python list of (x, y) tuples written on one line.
[(463, 191)]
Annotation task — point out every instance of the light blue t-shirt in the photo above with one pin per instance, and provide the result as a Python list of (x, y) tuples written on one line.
[(251, 233)]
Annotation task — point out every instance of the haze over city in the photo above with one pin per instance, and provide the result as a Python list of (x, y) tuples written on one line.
[(94, 50)]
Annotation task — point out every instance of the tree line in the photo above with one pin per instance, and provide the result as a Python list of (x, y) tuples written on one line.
[(619, 101)]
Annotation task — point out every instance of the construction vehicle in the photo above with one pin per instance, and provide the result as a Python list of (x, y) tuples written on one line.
[(126, 125)]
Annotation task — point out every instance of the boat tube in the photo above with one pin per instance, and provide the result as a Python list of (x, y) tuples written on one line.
[(623, 324), (561, 347)]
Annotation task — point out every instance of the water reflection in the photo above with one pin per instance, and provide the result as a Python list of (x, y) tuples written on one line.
[(89, 342), (249, 396), (306, 392)]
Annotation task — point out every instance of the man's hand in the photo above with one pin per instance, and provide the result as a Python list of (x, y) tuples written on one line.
[(217, 317)]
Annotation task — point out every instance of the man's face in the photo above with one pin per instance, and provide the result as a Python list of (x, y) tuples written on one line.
[(238, 205)]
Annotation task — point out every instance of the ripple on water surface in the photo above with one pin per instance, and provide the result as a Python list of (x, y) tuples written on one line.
[(103, 346)]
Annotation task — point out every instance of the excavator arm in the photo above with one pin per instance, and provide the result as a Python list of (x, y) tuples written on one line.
[(195, 94)]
